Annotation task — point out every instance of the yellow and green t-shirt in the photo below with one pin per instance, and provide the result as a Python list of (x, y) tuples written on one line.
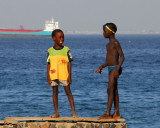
[(58, 60)]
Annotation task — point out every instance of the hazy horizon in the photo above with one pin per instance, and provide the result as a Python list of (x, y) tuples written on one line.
[(82, 16)]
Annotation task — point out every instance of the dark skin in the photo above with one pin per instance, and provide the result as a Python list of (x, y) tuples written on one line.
[(114, 51), (59, 39)]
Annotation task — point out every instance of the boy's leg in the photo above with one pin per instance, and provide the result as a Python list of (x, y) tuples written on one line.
[(55, 102), (116, 101), (71, 101), (110, 91)]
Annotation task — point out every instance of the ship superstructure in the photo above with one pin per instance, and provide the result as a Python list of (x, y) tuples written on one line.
[(51, 25)]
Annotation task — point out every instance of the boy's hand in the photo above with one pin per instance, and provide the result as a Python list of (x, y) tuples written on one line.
[(99, 70), (69, 80), (49, 82)]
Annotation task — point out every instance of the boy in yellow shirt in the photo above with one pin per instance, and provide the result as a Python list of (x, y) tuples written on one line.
[(59, 70)]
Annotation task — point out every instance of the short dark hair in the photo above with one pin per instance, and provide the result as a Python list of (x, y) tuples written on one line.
[(55, 31), (112, 26)]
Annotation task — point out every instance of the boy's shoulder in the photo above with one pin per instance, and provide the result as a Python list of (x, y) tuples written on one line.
[(51, 48), (115, 41), (66, 47)]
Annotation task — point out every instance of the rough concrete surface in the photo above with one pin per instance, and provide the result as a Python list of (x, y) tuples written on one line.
[(64, 125)]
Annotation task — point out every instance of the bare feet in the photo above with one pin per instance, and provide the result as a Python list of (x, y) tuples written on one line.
[(75, 115), (105, 116), (116, 115), (56, 115)]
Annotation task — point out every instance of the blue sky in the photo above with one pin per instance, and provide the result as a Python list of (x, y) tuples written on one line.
[(82, 15)]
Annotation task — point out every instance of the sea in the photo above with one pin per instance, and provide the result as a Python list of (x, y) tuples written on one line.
[(24, 90)]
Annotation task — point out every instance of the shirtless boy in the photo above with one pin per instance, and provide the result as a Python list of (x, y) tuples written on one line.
[(114, 51)]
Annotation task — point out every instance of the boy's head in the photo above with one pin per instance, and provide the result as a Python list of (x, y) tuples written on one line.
[(110, 28), (58, 36), (54, 32)]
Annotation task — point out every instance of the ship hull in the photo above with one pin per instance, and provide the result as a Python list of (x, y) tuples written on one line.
[(21, 35), (26, 34)]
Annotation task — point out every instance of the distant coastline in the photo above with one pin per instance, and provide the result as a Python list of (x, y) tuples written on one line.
[(80, 33), (119, 32)]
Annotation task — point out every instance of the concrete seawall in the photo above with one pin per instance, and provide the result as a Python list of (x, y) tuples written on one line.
[(63, 122)]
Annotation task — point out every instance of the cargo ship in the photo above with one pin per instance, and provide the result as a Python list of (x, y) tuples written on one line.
[(49, 27)]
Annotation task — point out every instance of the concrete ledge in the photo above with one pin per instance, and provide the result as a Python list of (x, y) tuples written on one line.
[(63, 122), (67, 119), (65, 125), (1, 121)]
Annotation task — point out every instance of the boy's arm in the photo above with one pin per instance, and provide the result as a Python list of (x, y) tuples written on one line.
[(103, 66), (120, 52), (99, 70), (70, 59), (69, 80), (48, 78)]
